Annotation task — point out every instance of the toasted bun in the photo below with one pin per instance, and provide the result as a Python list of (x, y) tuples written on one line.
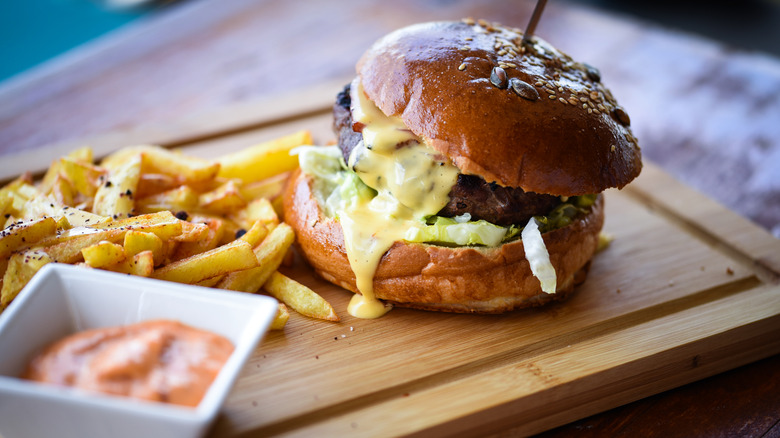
[(549, 126), (466, 279)]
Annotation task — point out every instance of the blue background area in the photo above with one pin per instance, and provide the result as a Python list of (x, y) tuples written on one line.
[(32, 31)]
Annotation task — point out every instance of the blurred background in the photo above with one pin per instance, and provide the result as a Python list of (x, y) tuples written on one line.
[(34, 31)]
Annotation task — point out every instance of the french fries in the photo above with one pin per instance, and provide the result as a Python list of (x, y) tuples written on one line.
[(136, 242), (282, 315), (21, 268), (255, 234), (84, 177), (257, 210), (264, 160), (43, 206), (114, 197), (215, 231), (181, 198), (224, 199), (141, 264), (102, 254), (235, 256), (152, 212), (269, 256), (21, 234), (302, 299), (157, 160), (6, 201)]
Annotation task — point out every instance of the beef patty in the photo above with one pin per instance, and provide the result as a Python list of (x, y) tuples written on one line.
[(470, 194)]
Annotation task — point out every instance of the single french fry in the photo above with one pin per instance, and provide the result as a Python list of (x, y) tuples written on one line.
[(230, 229), (259, 209), (158, 160), (84, 177), (181, 198), (25, 234), (234, 256), (21, 268), (141, 264), (263, 160), (20, 190), (67, 249), (3, 265), (168, 248), (103, 253), (299, 297), (164, 230), (139, 241), (83, 154), (164, 224), (153, 183), (115, 159), (255, 234), (17, 205), (189, 169), (115, 196), (216, 228), (63, 224), (269, 256), (224, 199), (208, 185), (48, 206), (52, 174), (209, 282), (62, 191), (10, 219), (6, 201), (280, 320), (269, 188), (20, 186), (191, 232), (278, 204)]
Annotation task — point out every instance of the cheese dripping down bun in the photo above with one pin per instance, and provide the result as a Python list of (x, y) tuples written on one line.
[(449, 133)]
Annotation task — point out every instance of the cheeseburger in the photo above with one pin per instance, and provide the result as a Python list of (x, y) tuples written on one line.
[(467, 176)]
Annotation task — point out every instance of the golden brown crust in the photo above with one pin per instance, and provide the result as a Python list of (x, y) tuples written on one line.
[(559, 133), (467, 279)]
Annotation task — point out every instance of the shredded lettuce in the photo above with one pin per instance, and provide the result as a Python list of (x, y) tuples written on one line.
[(336, 188), (451, 231), (321, 162), (538, 257)]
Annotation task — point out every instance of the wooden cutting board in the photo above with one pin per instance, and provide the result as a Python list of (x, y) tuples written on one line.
[(687, 289)]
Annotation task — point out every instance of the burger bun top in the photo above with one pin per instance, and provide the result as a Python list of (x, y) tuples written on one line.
[(524, 116)]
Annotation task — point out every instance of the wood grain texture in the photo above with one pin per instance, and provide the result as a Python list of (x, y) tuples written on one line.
[(667, 303), (206, 75), (748, 409)]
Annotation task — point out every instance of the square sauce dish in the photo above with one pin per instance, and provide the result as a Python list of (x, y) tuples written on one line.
[(63, 300)]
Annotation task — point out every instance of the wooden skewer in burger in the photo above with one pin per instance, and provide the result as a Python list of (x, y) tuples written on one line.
[(468, 173)]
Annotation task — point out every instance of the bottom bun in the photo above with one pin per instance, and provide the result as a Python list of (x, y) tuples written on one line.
[(450, 279)]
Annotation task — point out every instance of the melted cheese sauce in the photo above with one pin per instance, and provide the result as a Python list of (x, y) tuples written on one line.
[(412, 182)]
